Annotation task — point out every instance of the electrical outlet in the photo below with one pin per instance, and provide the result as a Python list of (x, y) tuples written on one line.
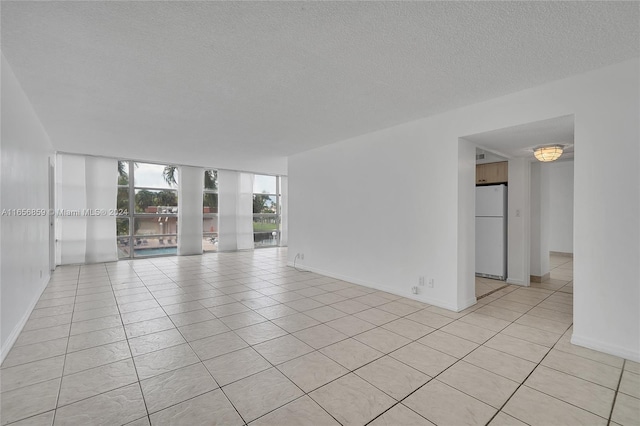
[(431, 282), (414, 290), (421, 280)]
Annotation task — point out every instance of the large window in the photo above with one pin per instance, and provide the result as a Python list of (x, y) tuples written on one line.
[(148, 206), (266, 211), (210, 211)]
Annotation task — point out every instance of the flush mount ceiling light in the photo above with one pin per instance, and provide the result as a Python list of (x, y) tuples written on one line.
[(548, 153)]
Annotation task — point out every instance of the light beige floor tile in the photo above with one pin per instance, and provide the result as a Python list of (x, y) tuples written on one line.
[(581, 393), (97, 380), (517, 347), (42, 335), (350, 325), (55, 310), (200, 330), (164, 360), (276, 311), (170, 388), (144, 421), (562, 317), (95, 313), (296, 322), (632, 366), (392, 377), (399, 415), (448, 343), (259, 333), (536, 408), (398, 308), (304, 304), (319, 336), (312, 370), (191, 317), (147, 327), (282, 349), (119, 406), (630, 384), (256, 395), (217, 345), (429, 361), (95, 324), (429, 318), (94, 357), (500, 313), (351, 306), (485, 321), (51, 321), (96, 338), (351, 400), (583, 368), (533, 335), (351, 354), (382, 340), (468, 331), (512, 306), (243, 319), (236, 365), (28, 374), (325, 313), (35, 352), (444, 405), (227, 309), (328, 298), (509, 366), (143, 315), (488, 387), (301, 412), (503, 419), (565, 345), (626, 411), (376, 316), (45, 419), (407, 328), (542, 323), (155, 341), (28, 401)]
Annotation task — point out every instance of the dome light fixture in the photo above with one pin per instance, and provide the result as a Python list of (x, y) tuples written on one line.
[(548, 153)]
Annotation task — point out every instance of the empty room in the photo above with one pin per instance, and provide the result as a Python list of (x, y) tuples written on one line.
[(320, 213)]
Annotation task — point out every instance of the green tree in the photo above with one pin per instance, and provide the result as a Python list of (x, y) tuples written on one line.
[(166, 198), (145, 199), (169, 175), (260, 204)]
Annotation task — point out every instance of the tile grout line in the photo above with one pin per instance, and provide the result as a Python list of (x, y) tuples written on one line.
[(615, 395)]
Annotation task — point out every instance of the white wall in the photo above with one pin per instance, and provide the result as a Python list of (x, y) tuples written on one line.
[(383, 208), (539, 223), (24, 242), (560, 197)]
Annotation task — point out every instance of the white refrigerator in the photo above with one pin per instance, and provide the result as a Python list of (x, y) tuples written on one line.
[(491, 231)]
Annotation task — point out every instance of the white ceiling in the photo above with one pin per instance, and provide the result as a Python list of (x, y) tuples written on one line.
[(193, 82), (519, 141)]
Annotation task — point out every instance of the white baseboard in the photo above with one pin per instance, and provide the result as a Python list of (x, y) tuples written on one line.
[(13, 336), (605, 347), (382, 287)]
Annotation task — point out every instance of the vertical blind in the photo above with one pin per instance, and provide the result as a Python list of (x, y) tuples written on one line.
[(284, 211), (190, 210), (235, 211), (86, 189)]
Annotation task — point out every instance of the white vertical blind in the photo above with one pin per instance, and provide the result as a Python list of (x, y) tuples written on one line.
[(86, 194), (284, 211), (244, 211), (190, 210), (235, 211)]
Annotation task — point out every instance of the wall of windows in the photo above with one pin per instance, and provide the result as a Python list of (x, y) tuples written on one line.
[(148, 205), (266, 211), (210, 211)]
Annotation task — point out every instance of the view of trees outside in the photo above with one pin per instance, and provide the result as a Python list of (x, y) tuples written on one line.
[(210, 211), (155, 209), (266, 218)]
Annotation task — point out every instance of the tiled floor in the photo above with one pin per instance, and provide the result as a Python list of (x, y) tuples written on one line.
[(240, 338)]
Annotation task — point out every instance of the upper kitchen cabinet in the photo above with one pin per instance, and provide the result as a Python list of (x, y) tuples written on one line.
[(492, 173)]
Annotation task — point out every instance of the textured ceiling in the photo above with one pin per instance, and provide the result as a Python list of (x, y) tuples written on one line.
[(196, 82)]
